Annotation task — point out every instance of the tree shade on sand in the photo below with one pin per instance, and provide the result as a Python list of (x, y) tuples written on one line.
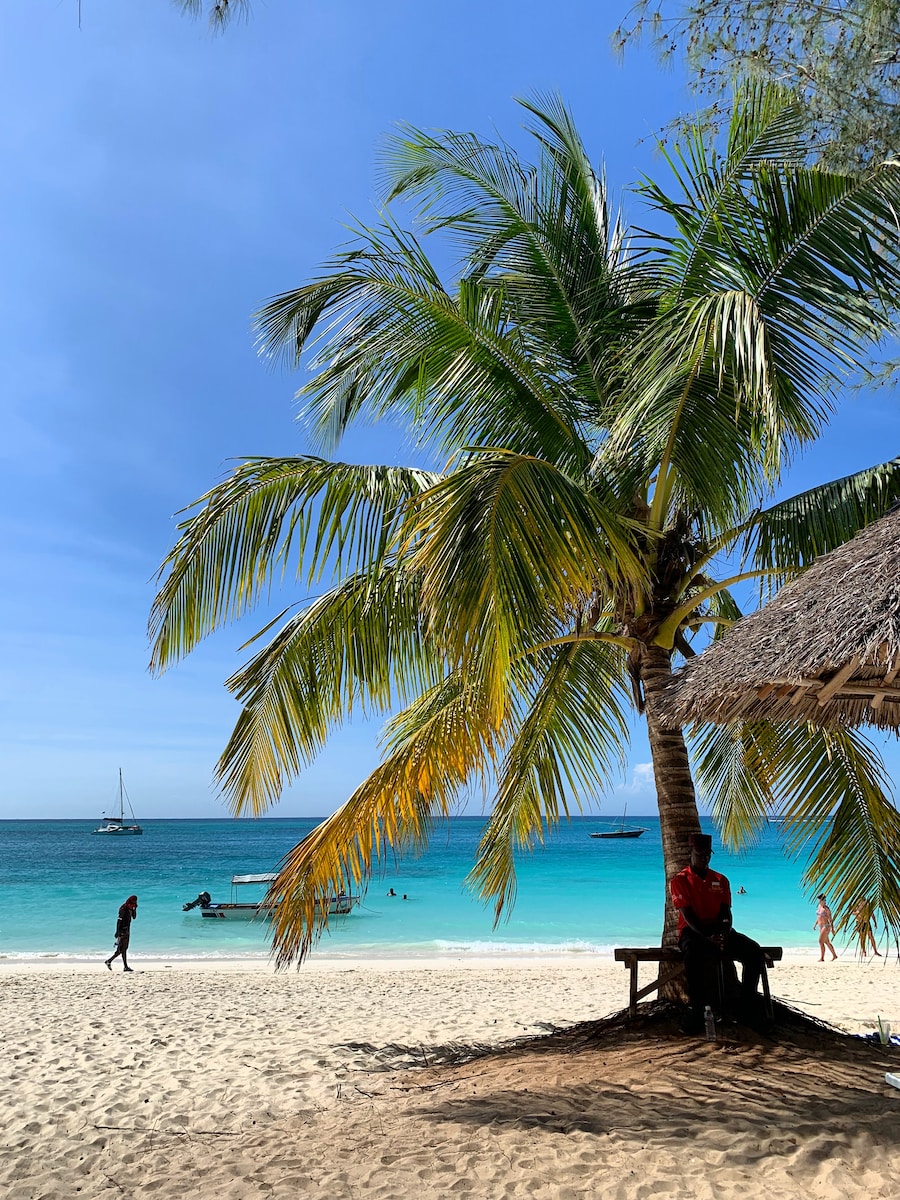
[(613, 410)]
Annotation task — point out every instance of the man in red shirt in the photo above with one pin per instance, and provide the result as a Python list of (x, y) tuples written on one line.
[(705, 934)]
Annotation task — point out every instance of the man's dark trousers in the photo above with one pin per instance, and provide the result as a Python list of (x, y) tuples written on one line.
[(700, 955)]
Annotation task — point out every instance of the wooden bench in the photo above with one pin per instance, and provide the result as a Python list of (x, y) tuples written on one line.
[(632, 956)]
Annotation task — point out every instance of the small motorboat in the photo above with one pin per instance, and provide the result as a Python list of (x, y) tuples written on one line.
[(338, 905)]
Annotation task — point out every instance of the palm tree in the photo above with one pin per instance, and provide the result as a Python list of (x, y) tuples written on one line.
[(614, 411)]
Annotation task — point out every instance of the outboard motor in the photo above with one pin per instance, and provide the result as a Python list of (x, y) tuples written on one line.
[(204, 900)]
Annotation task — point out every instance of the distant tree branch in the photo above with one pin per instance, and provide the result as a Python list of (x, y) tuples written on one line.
[(220, 12), (840, 57)]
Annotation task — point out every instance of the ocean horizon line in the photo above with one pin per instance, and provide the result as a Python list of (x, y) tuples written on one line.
[(226, 820)]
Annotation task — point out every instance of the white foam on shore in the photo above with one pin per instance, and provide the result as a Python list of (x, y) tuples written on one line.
[(471, 956)]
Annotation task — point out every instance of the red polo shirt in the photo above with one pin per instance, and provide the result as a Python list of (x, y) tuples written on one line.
[(704, 895)]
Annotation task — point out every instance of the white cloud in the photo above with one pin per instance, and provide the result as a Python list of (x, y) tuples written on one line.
[(640, 784)]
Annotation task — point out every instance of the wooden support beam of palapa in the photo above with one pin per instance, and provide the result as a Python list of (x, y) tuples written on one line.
[(865, 690), (834, 684)]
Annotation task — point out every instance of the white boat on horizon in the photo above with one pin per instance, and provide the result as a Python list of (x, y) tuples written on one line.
[(116, 825), (338, 905), (620, 831)]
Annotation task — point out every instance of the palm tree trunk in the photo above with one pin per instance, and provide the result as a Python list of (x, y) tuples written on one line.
[(678, 816)]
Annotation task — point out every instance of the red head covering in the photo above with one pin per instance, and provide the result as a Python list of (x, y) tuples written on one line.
[(131, 901)]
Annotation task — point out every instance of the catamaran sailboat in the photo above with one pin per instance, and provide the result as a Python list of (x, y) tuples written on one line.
[(116, 825)]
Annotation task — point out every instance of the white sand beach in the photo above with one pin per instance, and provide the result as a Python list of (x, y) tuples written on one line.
[(344, 1080)]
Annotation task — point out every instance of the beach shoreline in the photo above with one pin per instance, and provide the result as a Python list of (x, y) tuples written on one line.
[(353, 960), (849, 993)]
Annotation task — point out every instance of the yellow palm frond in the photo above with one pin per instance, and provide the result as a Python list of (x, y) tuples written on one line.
[(439, 745)]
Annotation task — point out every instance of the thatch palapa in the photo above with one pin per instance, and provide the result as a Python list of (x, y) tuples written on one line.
[(826, 649)]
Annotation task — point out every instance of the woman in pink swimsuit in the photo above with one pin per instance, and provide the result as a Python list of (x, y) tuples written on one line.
[(825, 925)]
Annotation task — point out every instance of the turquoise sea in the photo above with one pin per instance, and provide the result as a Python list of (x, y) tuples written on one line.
[(60, 888)]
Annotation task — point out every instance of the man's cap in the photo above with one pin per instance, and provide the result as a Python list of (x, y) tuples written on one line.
[(700, 841)]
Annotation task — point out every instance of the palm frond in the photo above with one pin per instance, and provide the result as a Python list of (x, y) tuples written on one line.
[(834, 796), (776, 278), (545, 231), (394, 343), (832, 792), (361, 647), (436, 747), (522, 543), (724, 609), (569, 742), (766, 126), (792, 533), (814, 247), (249, 527), (734, 773), (688, 411)]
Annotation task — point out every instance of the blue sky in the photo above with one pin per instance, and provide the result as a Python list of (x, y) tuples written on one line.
[(158, 185)]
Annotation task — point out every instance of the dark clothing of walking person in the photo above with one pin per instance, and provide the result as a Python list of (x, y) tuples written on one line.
[(705, 934), (127, 914)]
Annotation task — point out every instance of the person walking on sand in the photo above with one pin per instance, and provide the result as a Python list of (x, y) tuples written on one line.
[(825, 924), (865, 924), (127, 913)]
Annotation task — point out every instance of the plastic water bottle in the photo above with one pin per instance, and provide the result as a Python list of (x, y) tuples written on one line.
[(710, 1023)]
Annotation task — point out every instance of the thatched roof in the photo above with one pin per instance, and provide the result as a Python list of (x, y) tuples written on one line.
[(825, 649)]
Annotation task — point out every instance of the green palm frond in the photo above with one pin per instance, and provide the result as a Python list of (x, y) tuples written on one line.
[(522, 543), (735, 774), (808, 244), (381, 262), (686, 412), (834, 796), (331, 516), (569, 741), (777, 276), (457, 368), (546, 231), (359, 647), (766, 127), (792, 533), (725, 611), (831, 790)]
